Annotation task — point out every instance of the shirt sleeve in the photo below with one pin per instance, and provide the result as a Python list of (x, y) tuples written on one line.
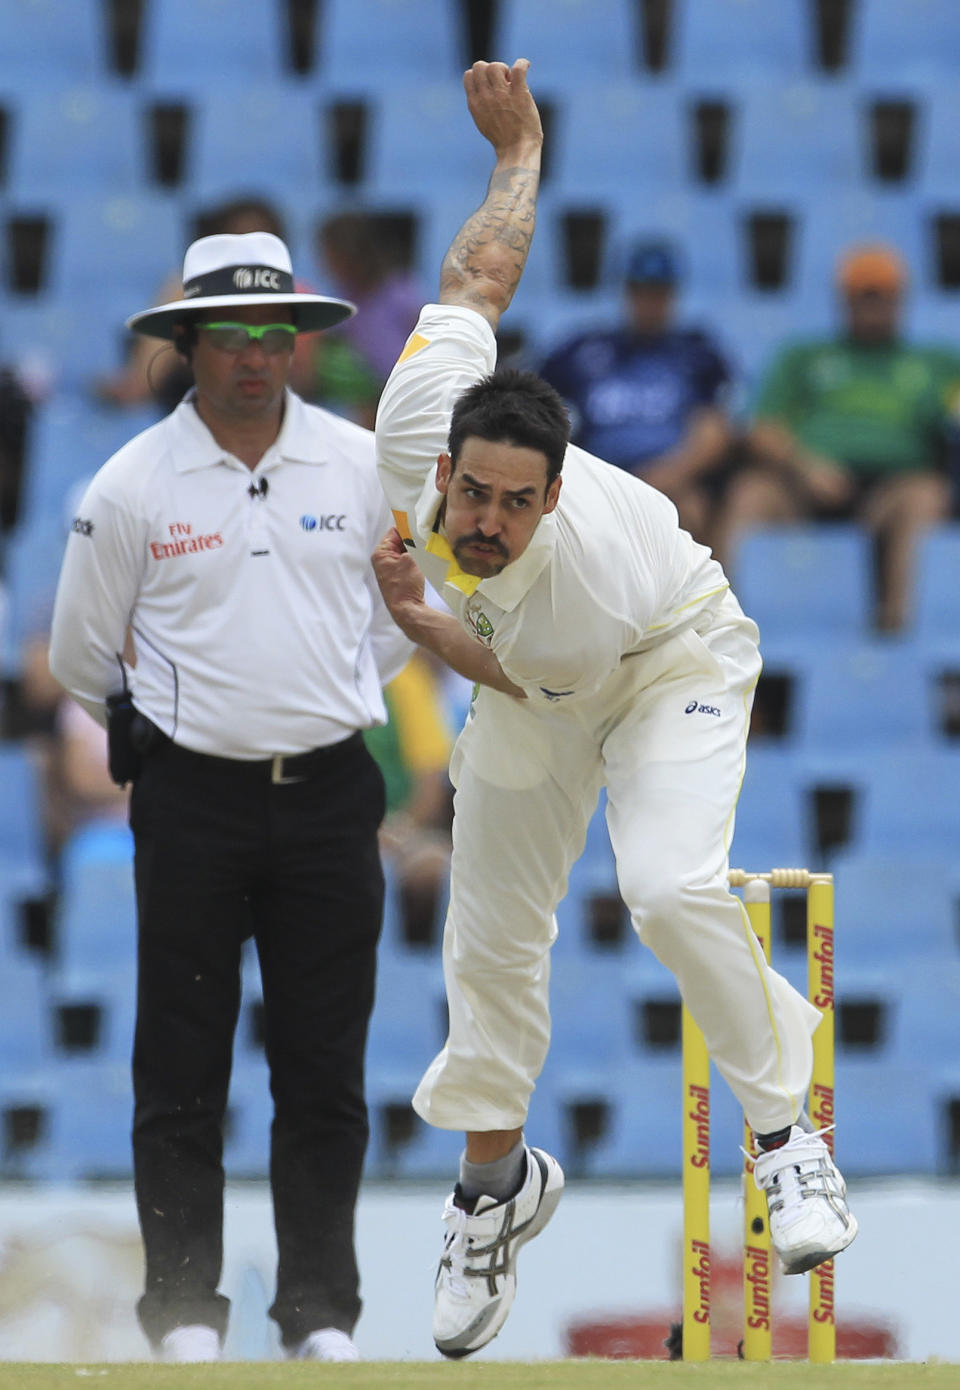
[(99, 582), (449, 350)]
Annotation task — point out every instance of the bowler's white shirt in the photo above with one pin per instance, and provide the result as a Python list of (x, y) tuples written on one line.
[(257, 621), (606, 576)]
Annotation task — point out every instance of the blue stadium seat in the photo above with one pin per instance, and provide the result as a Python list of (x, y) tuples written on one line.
[(51, 41), (407, 1027), (866, 696), (201, 44), (896, 40), (937, 622), (275, 145), (67, 339), (909, 804), (69, 141), (421, 137), (796, 140), (71, 438), (246, 1146), (589, 165), (643, 1134), (893, 909), (127, 243), (592, 1022), (570, 41), (96, 926), (26, 1033), (22, 844), (111, 990), (362, 49), (33, 557), (90, 1124), (887, 1119), (772, 811), (725, 40), (928, 1018), (805, 581)]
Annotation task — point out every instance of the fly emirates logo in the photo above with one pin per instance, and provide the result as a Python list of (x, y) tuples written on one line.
[(183, 542)]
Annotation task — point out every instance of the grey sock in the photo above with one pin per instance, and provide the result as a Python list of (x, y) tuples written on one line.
[(501, 1179)]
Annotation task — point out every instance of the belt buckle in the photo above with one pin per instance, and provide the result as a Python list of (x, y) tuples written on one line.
[(276, 772)]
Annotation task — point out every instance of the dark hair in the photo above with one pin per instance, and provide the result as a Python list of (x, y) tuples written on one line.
[(512, 407), (246, 208)]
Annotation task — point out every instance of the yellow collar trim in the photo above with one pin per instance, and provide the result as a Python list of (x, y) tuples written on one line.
[(439, 545)]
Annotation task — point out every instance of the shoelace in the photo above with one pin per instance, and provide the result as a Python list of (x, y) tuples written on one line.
[(805, 1170), (456, 1252)]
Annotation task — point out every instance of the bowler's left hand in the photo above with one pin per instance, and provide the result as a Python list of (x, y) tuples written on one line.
[(401, 582)]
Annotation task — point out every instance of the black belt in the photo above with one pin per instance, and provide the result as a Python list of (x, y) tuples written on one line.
[(283, 767)]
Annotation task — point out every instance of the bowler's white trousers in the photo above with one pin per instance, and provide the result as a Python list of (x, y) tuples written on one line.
[(527, 779)]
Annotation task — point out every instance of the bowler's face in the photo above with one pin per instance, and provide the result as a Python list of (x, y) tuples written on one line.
[(493, 500), (248, 384)]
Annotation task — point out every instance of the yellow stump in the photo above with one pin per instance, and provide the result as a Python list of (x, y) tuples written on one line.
[(820, 971), (696, 1193), (756, 1225)]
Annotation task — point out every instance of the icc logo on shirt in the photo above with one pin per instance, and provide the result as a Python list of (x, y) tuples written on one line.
[(323, 523)]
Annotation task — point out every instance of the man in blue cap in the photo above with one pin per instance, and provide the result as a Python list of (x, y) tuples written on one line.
[(650, 397)]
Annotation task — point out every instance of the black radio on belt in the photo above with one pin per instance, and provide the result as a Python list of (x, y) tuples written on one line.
[(129, 736)]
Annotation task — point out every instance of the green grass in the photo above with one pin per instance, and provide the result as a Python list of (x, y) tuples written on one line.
[(473, 1375)]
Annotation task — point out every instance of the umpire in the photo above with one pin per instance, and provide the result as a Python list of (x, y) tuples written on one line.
[(228, 546)]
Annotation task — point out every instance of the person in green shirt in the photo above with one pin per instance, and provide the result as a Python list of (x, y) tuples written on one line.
[(856, 427)]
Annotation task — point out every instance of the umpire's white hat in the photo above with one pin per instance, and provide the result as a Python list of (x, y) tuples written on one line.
[(226, 271)]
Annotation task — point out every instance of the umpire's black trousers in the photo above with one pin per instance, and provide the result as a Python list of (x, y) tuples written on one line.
[(225, 850)]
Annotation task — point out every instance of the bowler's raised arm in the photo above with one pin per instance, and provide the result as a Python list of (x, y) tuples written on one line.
[(485, 261)]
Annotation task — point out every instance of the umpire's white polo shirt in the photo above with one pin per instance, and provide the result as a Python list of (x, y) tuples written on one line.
[(606, 576), (256, 618)]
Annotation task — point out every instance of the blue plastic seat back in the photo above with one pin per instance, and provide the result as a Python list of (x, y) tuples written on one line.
[(363, 48), (274, 145), (796, 139), (936, 605), (97, 916), (893, 909), (21, 821), (570, 41), (772, 811), (910, 804), (200, 44), (647, 155), (422, 137), (51, 43), (69, 141), (868, 695), (26, 1035), (805, 580), (116, 249), (733, 38), (894, 39)]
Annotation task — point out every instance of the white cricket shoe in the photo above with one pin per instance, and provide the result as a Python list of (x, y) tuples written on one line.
[(477, 1276), (326, 1344), (193, 1342), (810, 1221)]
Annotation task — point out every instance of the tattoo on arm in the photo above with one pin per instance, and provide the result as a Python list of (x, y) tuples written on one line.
[(486, 258)]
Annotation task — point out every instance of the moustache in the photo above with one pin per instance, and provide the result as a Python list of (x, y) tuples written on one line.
[(479, 539)]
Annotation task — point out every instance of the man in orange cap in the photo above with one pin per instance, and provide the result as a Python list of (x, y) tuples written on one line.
[(856, 427)]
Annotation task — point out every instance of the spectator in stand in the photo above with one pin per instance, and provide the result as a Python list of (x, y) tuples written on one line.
[(858, 426), (651, 397), (351, 365), (155, 373)]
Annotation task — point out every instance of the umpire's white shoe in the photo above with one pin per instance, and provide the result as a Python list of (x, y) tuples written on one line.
[(193, 1342), (477, 1277), (326, 1344), (810, 1221)]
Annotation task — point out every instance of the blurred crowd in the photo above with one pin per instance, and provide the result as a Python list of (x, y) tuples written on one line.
[(858, 427)]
